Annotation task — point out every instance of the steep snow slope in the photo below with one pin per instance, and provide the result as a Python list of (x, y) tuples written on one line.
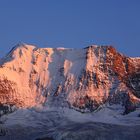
[(79, 78)]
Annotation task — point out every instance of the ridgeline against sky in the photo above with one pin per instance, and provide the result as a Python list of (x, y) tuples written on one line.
[(71, 24)]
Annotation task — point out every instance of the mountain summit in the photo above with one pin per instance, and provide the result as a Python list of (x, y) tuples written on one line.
[(82, 79)]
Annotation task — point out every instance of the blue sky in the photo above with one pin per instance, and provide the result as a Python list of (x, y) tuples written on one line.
[(71, 24)]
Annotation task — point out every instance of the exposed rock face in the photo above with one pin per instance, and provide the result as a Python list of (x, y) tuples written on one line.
[(81, 78)]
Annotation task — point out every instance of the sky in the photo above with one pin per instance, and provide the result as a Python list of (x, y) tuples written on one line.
[(71, 24)]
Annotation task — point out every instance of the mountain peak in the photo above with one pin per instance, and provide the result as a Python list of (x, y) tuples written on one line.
[(19, 47), (23, 45), (40, 82), (81, 76)]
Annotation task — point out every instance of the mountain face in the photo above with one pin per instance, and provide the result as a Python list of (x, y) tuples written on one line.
[(63, 94), (82, 79)]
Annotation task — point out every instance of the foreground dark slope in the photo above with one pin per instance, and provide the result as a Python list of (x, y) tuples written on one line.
[(55, 125)]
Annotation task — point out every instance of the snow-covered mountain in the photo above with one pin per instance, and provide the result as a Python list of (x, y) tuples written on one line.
[(96, 79), (80, 78)]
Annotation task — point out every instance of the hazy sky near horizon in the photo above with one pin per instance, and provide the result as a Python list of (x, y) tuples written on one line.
[(71, 24)]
